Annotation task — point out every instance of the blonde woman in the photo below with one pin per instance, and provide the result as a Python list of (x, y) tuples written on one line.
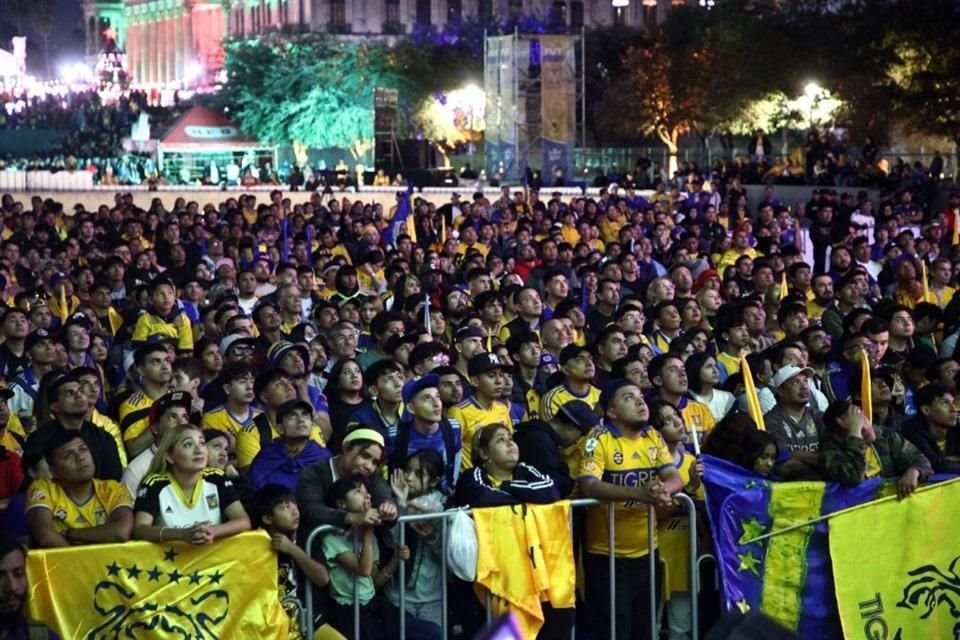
[(181, 499)]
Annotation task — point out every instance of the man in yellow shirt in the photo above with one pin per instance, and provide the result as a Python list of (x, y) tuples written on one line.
[(155, 367), (625, 461), (578, 368), (72, 507), (669, 379), (482, 408), (236, 414)]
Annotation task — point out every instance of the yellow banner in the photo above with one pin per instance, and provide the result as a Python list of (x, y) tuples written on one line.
[(896, 566), (158, 591)]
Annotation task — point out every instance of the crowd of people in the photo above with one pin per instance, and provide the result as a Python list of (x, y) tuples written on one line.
[(308, 360)]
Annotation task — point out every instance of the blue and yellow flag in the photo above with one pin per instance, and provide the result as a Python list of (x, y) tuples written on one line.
[(896, 565), (171, 590), (788, 575)]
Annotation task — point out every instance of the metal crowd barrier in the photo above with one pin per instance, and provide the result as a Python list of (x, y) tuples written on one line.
[(444, 517)]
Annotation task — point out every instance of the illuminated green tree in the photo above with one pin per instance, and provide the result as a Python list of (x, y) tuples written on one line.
[(312, 91)]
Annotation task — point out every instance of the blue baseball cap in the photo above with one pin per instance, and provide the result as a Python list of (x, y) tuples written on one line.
[(412, 387)]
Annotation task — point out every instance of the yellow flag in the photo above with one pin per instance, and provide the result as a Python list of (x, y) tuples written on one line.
[(783, 285), (866, 386), (443, 230), (956, 229), (891, 574), (171, 590), (64, 308), (411, 229), (753, 401)]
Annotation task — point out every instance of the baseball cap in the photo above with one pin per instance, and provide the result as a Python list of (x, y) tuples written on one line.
[(412, 387), (483, 362), (579, 413), (398, 340), (469, 331), (174, 399), (35, 338), (290, 406), (235, 339), (547, 359), (80, 319), (278, 351), (787, 372), (570, 352)]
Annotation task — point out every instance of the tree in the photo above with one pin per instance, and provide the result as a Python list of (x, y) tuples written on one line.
[(662, 92), (312, 90), (927, 74)]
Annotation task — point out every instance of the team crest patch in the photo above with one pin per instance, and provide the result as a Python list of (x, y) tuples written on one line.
[(212, 501), (618, 457), (653, 452), (100, 516)]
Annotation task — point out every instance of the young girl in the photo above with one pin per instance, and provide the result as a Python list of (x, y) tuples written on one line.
[(759, 452), (181, 499), (354, 555), (417, 488), (674, 526)]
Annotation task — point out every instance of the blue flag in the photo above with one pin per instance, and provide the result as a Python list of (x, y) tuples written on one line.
[(398, 225), (788, 576)]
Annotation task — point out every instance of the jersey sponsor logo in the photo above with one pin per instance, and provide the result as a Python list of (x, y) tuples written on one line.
[(630, 477), (60, 514), (169, 509), (37, 495)]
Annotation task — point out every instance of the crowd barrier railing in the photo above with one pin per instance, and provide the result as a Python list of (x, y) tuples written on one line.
[(685, 501)]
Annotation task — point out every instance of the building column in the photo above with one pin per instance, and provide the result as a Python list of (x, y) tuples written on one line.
[(173, 68), (152, 50), (132, 39)]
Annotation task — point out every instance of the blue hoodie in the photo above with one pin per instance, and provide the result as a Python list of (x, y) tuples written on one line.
[(273, 465)]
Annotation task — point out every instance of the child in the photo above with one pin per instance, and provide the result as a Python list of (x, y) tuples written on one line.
[(275, 509), (187, 376), (674, 527), (417, 488), (353, 555), (759, 452)]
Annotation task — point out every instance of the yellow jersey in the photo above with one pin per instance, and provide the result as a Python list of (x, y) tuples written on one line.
[(555, 398), (13, 436), (626, 461), (135, 415), (674, 534), (730, 363), (113, 429), (222, 420), (150, 325), (108, 496), (472, 417), (696, 417), (814, 310)]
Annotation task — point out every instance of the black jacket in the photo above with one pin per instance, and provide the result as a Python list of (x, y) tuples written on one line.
[(540, 448), (474, 488), (106, 457), (918, 433)]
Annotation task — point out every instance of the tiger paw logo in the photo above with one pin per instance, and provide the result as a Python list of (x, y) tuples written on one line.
[(158, 600), (931, 588)]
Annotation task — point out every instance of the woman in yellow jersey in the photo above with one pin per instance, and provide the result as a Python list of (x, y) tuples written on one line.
[(181, 499)]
